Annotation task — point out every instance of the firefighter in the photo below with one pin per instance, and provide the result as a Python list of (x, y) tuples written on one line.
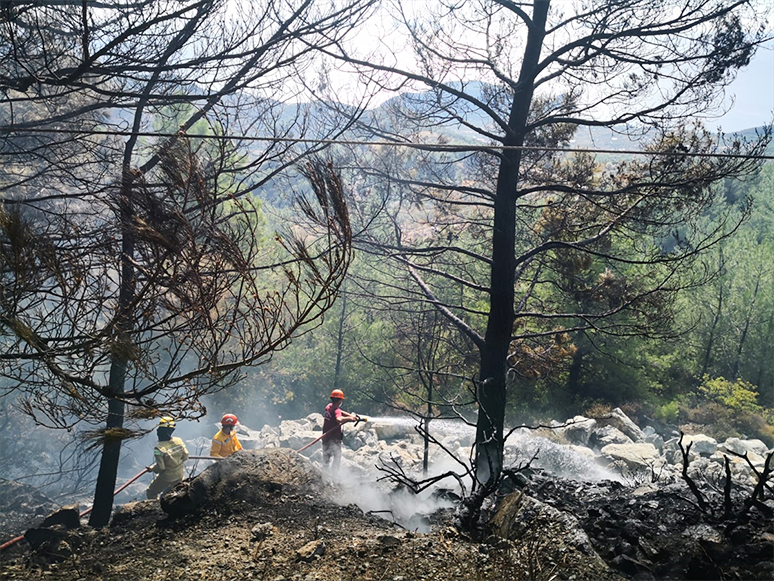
[(170, 455), (331, 441), (225, 441)]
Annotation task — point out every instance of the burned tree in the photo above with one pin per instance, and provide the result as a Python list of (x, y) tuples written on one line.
[(517, 222), (135, 266)]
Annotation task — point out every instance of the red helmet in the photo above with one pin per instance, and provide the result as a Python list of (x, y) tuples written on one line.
[(337, 394), (229, 420)]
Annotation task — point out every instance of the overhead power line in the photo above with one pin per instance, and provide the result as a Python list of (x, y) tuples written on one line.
[(6, 130)]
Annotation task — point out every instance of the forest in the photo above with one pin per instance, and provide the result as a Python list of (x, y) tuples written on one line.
[(215, 206)]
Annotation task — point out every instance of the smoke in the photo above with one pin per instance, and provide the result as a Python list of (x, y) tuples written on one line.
[(354, 485), (556, 459)]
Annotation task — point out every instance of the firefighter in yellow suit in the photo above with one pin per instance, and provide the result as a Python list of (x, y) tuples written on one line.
[(170, 455), (225, 441)]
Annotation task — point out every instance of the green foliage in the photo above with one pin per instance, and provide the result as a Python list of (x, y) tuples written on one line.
[(722, 422), (668, 412), (738, 395), (724, 409)]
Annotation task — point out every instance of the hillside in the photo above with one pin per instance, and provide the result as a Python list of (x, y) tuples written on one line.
[(269, 513)]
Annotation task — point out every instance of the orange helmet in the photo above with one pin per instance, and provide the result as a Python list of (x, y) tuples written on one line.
[(337, 394), (229, 420)]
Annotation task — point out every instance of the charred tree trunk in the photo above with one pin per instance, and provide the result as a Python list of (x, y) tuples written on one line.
[(111, 450), (428, 417), (492, 377)]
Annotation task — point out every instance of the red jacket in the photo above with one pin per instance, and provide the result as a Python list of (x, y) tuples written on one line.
[(331, 422)]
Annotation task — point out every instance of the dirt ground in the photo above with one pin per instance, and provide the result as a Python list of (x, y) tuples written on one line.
[(283, 538), (269, 515)]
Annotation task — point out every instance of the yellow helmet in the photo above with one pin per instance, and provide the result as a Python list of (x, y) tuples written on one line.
[(167, 422)]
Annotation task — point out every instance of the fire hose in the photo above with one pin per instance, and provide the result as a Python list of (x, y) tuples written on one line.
[(333, 429), (149, 468), (88, 510)]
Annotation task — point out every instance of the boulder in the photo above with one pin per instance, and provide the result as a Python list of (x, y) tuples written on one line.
[(298, 439), (556, 535), (704, 469), (316, 421), (578, 430), (636, 456), (269, 437), (605, 435), (656, 440), (245, 475), (701, 445), (289, 428), (744, 446), (619, 420), (390, 431), (249, 438), (584, 452)]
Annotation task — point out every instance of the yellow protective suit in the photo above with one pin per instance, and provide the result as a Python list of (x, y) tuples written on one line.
[(170, 456), (223, 445)]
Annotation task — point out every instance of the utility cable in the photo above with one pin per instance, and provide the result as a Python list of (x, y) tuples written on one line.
[(461, 148)]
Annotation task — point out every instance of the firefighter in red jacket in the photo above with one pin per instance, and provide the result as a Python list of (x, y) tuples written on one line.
[(333, 418)]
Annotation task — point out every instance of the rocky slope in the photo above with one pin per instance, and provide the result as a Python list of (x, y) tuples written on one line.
[(242, 522), (269, 514)]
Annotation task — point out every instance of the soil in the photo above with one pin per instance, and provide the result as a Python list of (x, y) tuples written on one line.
[(262, 518), (262, 540)]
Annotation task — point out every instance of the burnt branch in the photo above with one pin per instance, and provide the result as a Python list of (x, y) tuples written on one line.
[(688, 480)]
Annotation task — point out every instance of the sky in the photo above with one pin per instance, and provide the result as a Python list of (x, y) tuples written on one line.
[(752, 93), (749, 99)]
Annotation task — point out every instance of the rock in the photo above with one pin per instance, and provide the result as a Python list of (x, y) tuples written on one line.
[(261, 532), (67, 516), (246, 475), (703, 532), (656, 440), (519, 516), (249, 438), (298, 439), (643, 454), (390, 431), (584, 451), (744, 446), (388, 541), (619, 420), (316, 420), (704, 469), (602, 436), (578, 430), (701, 445), (309, 551), (270, 437)]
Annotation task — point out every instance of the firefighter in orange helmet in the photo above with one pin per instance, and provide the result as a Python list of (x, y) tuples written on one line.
[(225, 441), (333, 418)]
